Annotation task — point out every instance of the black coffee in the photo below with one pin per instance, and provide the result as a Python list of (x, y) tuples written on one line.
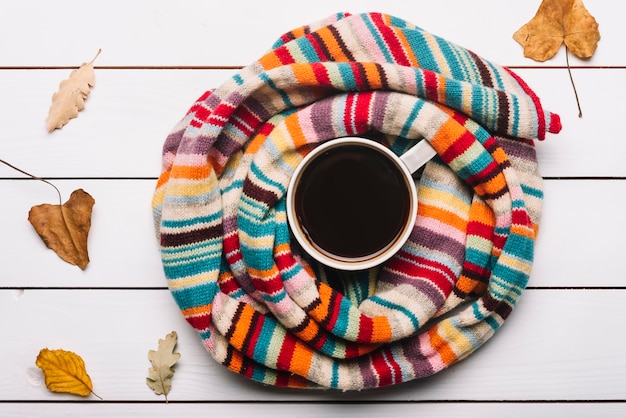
[(352, 201)]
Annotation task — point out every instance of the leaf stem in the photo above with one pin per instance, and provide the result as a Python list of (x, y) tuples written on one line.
[(97, 55), (569, 71), (34, 177)]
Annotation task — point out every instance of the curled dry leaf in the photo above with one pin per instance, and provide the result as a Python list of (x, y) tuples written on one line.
[(160, 374), (558, 22), (65, 228), (70, 99), (64, 372)]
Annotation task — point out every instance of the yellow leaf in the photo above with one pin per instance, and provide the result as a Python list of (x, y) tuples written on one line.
[(70, 99), (64, 372), (556, 22), (160, 374), (65, 228)]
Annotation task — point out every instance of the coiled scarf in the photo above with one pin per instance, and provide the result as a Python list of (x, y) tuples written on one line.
[(266, 311)]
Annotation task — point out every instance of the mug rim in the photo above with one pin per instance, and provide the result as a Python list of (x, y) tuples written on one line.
[(347, 263)]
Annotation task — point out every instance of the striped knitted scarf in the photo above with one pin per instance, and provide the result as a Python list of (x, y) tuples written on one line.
[(261, 307)]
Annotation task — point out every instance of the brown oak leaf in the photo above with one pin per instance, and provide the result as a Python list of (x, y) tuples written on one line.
[(65, 228), (558, 22), (70, 99)]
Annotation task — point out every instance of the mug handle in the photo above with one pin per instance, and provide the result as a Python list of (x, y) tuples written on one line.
[(418, 155)]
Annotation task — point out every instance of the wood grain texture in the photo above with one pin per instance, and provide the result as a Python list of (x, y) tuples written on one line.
[(551, 348), (314, 410), (130, 112), (201, 33), (124, 252)]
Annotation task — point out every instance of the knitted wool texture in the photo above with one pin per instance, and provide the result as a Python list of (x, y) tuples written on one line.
[(266, 311)]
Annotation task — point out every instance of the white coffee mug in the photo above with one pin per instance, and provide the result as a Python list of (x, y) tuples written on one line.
[(352, 202)]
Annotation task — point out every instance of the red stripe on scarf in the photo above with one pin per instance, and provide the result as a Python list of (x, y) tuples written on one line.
[(391, 40), (283, 54), (321, 75)]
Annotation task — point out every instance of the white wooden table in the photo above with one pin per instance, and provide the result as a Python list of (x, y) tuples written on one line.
[(562, 352)]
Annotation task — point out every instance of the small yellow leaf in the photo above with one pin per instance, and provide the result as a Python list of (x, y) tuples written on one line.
[(160, 374), (70, 99), (64, 372)]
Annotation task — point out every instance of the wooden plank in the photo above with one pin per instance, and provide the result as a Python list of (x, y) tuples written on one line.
[(119, 133), (200, 33), (576, 246), (589, 145), (557, 345), (130, 112), (123, 248), (578, 242), (307, 410)]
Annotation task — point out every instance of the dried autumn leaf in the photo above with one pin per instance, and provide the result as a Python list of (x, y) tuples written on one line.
[(65, 228), (64, 372), (70, 99), (160, 374), (559, 21)]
